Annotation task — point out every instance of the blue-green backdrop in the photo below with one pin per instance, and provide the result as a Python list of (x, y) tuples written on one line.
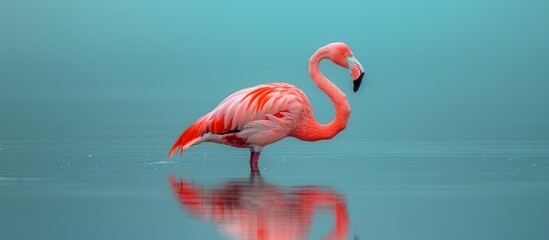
[(435, 69)]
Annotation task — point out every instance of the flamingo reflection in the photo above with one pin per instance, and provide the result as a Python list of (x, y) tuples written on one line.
[(253, 209)]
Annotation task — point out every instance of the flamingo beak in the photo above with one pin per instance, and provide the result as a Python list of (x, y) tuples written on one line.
[(357, 71), (357, 82)]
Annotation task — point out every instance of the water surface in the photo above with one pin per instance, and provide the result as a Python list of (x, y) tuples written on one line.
[(384, 189)]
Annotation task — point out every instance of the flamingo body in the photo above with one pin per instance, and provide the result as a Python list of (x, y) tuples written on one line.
[(257, 116), (252, 117)]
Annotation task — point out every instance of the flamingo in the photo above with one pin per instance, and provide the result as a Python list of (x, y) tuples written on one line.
[(257, 116)]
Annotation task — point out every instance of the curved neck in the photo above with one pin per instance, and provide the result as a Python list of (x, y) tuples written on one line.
[(313, 129)]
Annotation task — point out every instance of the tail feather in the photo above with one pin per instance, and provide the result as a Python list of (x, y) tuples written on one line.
[(190, 136)]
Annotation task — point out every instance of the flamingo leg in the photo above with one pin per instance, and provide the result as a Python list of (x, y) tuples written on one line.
[(254, 159)]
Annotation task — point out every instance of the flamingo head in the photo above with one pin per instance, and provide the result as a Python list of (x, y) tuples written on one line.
[(341, 54)]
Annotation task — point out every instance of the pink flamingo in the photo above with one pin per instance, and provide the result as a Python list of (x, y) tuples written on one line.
[(258, 116)]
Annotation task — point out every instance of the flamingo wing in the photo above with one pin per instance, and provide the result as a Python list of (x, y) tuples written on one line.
[(258, 115)]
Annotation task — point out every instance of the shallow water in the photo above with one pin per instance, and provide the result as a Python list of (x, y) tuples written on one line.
[(385, 189)]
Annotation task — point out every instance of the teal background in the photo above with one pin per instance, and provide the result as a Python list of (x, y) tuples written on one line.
[(448, 138), (443, 69)]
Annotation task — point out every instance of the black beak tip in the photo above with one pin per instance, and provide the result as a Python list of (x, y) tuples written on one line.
[(357, 82)]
